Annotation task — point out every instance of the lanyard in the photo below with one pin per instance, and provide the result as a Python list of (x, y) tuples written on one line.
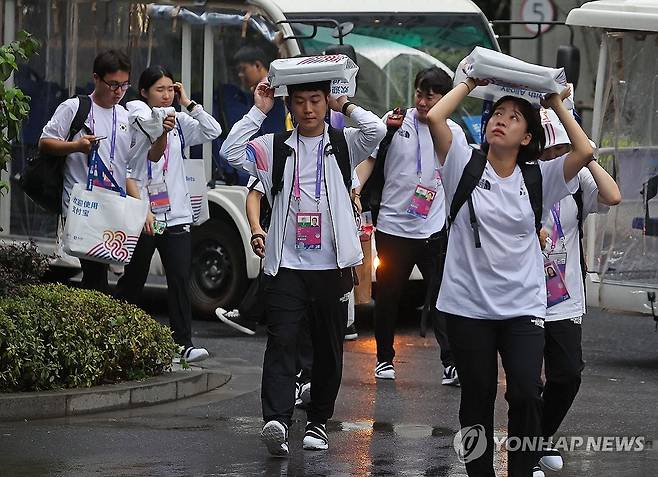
[(114, 129), (557, 225), (419, 158), (166, 152), (166, 162), (318, 173)]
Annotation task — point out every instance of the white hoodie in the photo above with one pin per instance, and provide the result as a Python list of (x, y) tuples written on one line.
[(146, 126)]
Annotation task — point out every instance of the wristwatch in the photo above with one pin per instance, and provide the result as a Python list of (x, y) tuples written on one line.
[(344, 108), (191, 106)]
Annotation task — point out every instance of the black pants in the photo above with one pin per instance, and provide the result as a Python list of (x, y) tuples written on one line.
[(397, 256), (563, 365), (292, 296), (175, 247), (520, 343), (94, 276)]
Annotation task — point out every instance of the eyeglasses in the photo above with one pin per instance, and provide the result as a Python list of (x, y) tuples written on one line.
[(114, 86)]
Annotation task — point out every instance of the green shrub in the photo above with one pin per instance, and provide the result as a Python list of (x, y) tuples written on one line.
[(54, 336), (20, 264)]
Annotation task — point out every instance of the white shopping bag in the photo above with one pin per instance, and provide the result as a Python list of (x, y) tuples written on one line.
[(509, 76), (102, 225), (197, 187), (339, 69)]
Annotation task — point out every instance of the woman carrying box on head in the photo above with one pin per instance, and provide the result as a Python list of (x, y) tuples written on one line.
[(494, 292)]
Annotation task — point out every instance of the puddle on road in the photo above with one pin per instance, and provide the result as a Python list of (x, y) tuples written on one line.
[(407, 431)]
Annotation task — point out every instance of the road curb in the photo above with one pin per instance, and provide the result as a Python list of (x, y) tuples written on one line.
[(71, 402)]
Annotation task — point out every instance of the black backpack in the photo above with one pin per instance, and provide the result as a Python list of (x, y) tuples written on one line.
[(42, 178), (371, 192), (281, 151), (470, 179)]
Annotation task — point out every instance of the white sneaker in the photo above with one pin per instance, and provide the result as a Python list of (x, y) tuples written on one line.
[(537, 472), (275, 436), (192, 354), (234, 320), (450, 377), (385, 370), (315, 437), (552, 460)]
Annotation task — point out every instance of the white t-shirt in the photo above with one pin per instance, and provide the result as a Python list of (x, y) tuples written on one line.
[(401, 179), (76, 168), (568, 212), (505, 278), (301, 259)]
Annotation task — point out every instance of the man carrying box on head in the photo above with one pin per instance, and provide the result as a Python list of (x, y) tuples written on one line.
[(305, 173)]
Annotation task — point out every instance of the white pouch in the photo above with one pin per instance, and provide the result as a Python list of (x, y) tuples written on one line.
[(509, 76), (195, 178), (339, 69)]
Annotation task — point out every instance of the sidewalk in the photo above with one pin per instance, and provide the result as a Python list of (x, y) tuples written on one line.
[(170, 386)]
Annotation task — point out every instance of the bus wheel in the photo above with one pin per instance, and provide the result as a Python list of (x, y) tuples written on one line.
[(219, 275)]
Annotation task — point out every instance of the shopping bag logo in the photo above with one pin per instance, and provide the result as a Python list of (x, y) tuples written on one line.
[(116, 245), (197, 201)]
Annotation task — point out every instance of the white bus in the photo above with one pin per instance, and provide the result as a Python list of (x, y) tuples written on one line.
[(197, 40), (622, 247)]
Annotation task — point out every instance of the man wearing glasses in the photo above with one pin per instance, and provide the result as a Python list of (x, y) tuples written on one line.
[(107, 124)]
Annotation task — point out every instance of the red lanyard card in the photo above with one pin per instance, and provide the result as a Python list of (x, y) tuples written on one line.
[(309, 231), (556, 289), (421, 201), (158, 197)]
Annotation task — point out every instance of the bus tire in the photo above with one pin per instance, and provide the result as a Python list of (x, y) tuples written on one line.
[(219, 274)]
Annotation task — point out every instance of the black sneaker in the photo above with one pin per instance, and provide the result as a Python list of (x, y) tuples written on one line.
[(450, 377), (350, 333), (315, 437), (234, 320), (537, 472), (384, 370)]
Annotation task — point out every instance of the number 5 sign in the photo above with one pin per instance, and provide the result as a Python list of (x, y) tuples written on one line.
[(538, 11)]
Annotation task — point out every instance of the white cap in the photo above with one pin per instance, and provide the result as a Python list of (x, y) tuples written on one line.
[(553, 128)]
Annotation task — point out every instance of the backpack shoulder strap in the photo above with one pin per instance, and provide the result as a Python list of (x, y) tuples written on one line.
[(532, 179), (84, 106), (342, 155), (393, 123), (469, 179), (467, 183), (280, 153), (578, 198)]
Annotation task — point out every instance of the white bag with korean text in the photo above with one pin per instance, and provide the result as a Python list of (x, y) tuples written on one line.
[(102, 225), (509, 76), (339, 69)]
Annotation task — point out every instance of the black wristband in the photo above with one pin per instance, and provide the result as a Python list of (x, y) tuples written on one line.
[(344, 108), (191, 106), (257, 236)]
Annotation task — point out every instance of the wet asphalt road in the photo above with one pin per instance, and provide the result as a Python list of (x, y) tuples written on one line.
[(401, 428)]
